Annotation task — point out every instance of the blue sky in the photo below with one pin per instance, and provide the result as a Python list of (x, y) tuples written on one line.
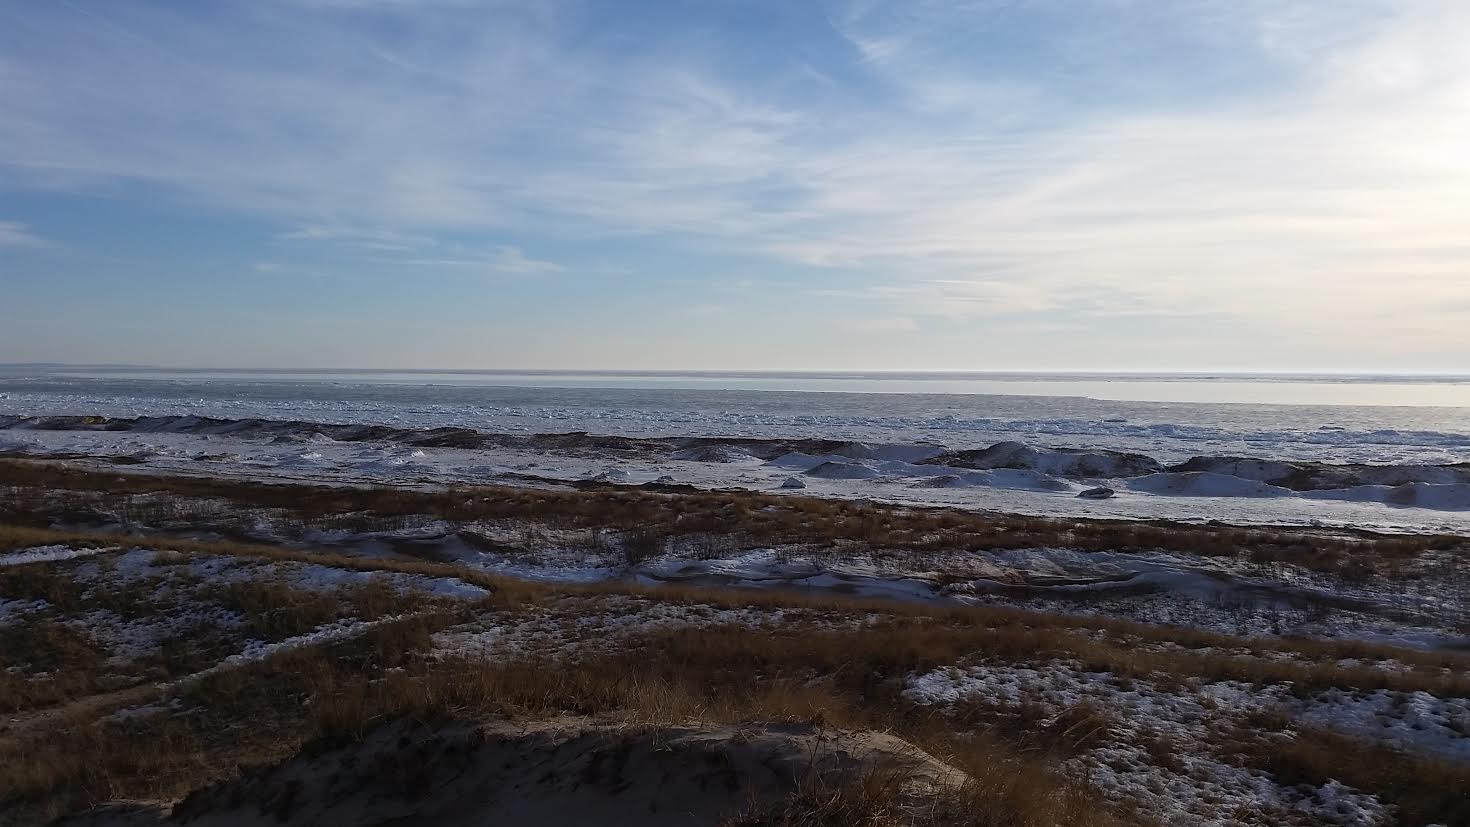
[(987, 184)]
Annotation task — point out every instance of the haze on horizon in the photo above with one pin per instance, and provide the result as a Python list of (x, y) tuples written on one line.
[(1248, 185)]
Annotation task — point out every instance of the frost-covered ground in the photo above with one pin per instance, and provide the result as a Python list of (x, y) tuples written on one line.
[(1300, 641), (136, 615), (128, 630), (1182, 754), (1398, 498), (1421, 601), (580, 626), (1176, 589), (157, 598)]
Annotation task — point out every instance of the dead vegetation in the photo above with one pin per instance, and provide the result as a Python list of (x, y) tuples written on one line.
[(45, 662), (268, 710), (43, 492), (847, 671), (1096, 642), (849, 680), (1425, 790), (843, 678), (55, 655), (877, 798)]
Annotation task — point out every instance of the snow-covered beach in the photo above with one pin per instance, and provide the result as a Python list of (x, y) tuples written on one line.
[(1185, 612), (1387, 467)]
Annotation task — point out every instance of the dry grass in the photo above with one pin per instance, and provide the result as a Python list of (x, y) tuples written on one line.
[(847, 678), (1035, 727), (1003, 633), (1097, 643), (43, 583), (878, 798), (875, 799), (1426, 790), (251, 715), (269, 709), (275, 610), (848, 671), (45, 662), (1025, 794), (51, 659), (649, 517)]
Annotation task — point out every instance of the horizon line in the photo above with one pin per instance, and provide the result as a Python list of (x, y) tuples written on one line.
[(735, 372)]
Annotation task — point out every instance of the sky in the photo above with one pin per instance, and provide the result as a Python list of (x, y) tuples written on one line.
[(1154, 185)]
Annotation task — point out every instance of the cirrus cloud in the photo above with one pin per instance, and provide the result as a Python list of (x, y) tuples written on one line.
[(1294, 171)]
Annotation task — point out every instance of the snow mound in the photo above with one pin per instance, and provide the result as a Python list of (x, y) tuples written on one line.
[(1061, 462), (1454, 497), (712, 453), (889, 452), (842, 471), (1260, 470), (797, 461), (1205, 484), (1319, 476), (943, 481), (1026, 479), (1400, 474), (1000, 478)]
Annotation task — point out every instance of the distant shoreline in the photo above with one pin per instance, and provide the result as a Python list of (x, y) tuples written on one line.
[(1291, 389), (1392, 377)]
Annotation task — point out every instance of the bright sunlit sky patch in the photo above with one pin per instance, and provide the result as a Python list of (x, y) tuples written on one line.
[(992, 184)]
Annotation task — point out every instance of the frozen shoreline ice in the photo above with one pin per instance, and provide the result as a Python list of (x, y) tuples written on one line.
[(1006, 477), (1170, 432)]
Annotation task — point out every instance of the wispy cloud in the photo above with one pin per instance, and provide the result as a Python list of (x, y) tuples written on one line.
[(1252, 160), (502, 260), (16, 234), (512, 261), (370, 238)]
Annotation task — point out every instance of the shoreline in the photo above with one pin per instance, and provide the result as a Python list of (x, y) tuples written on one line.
[(1003, 477)]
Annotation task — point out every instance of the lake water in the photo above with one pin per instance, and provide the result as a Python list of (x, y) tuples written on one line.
[(1384, 419)]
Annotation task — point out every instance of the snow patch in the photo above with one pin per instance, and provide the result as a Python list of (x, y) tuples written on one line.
[(1415, 721), (1202, 788), (49, 554)]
